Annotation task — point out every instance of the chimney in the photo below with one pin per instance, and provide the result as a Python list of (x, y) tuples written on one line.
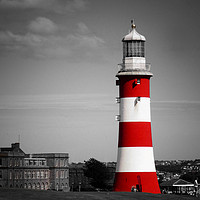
[(15, 145)]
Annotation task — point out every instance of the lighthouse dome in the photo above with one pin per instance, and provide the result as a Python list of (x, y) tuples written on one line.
[(134, 35)]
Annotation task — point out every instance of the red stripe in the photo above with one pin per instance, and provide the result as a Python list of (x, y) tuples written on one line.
[(135, 134), (144, 181), (129, 88)]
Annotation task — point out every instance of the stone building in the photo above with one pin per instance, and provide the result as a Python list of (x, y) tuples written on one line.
[(58, 164), (177, 186), (33, 171), (36, 173), (12, 167)]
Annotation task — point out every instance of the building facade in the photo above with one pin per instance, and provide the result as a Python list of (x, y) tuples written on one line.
[(33, 171), (12, 167), (36, 173), (58, 164)]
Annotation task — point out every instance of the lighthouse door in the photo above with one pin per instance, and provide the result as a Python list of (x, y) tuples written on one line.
[(139, 185)]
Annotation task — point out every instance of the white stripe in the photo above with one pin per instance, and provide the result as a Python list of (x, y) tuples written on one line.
[(135, 159), (134, 109)]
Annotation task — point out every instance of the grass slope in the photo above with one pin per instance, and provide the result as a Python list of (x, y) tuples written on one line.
[(22, 194)]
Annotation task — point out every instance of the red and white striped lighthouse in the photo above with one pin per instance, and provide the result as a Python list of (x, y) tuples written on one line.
[(135, 162)]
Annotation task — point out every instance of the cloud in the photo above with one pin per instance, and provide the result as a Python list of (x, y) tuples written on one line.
[(11, 41), (43, 41), (33, 44), (58, 6), (85, 40), (82, 28), (20, 3), (84, 37), (63, 6), (42, 25), (176, 106), (64, 102)]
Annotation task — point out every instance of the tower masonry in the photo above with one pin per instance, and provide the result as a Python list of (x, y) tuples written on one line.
[(135, 161)]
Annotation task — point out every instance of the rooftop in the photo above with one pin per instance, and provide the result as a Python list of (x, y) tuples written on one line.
[(133, 35)]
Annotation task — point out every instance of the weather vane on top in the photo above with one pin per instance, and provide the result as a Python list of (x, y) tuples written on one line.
[(133, 24)]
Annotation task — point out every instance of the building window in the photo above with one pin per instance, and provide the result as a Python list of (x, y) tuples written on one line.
[(46, 174), (66, 174), (10, 174), (138, 81), (29, 174), (46, 186), (38, 174), (57, 174), (1, 174), (33, 173), (29, 186), (34, 186), (42, 186), (133, 48), (42, 174), (18, 162), (62, 174), (1, 162), (38, 186), (20, 175), (57, 186), (56, 162), (16, 175), (25, 175), (43, 162), (66, 162), (26, 163), (10, 163)]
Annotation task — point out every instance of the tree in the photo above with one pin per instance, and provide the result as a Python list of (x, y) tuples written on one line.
[(98, 173), (169, 168)]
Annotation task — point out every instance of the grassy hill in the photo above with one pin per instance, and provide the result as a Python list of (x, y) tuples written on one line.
[(22, 194)]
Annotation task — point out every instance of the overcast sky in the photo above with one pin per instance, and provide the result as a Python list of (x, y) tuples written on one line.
[(58, 61)]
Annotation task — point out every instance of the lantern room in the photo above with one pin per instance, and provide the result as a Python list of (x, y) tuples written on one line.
[(133, 50)]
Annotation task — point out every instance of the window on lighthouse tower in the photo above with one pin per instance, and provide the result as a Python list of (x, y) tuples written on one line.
[(133, 48)]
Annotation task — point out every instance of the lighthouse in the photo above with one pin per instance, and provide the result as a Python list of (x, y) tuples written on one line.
[(135, 162)]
